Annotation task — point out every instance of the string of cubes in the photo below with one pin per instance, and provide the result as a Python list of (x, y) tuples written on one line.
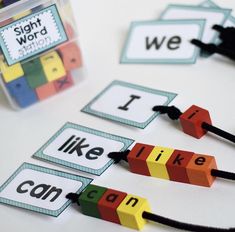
[(172, 164), (114, 206)]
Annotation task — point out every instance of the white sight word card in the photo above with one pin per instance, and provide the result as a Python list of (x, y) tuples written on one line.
[(164, 41), (212, 16), (41, 189), (82, 148), (128, 103)]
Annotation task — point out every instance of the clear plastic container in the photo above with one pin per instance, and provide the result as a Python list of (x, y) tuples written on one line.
[(40, 55)]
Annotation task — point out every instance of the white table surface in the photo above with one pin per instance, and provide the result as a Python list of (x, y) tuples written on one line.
[(210, 83)]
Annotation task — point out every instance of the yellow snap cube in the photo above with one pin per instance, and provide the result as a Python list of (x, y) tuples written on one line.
[(12, 72), (22, 14), (130, 212), (53, 66), (157, 160)]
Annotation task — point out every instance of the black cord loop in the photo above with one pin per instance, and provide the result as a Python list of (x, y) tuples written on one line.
[(118, 156), (226, 47), (172, 112), (73, 197)]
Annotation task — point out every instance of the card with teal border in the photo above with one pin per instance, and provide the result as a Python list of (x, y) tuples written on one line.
[(208, 3), (152, 42), (128, 103), (41, 189), (212, 16), (82, 148), (32, 35), (230, 22)]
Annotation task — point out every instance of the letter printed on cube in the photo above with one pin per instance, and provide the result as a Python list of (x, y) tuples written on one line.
[(176, 165), (63, 83), (137, 158), (157, 162), (21, 92), (89, 200), (52, 66), (130, 212), (108, 205), (71, 56), (199, 170), (191, 121)]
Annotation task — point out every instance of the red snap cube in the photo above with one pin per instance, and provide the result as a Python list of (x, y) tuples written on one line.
[(137, 158), (191, 121)]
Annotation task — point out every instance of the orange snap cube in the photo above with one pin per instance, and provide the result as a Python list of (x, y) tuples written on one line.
[(192, 119), (176, 165), (137, 158), (45, 91), (199, 170), (71, 56), (69, 30), (6, 22)]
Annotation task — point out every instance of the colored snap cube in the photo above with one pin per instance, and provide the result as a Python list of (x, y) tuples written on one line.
[(192, 119), (199, 170), (176, 165), (71, 56), (109, 203), (22, 14), (12, 72), (34, 73), (130, 212), (170, 164), (21, 92), (45, 91), (137, 158), (89, 200), (69, 30), (6, 22), (157, 162), (64, 83), (52, 66)]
